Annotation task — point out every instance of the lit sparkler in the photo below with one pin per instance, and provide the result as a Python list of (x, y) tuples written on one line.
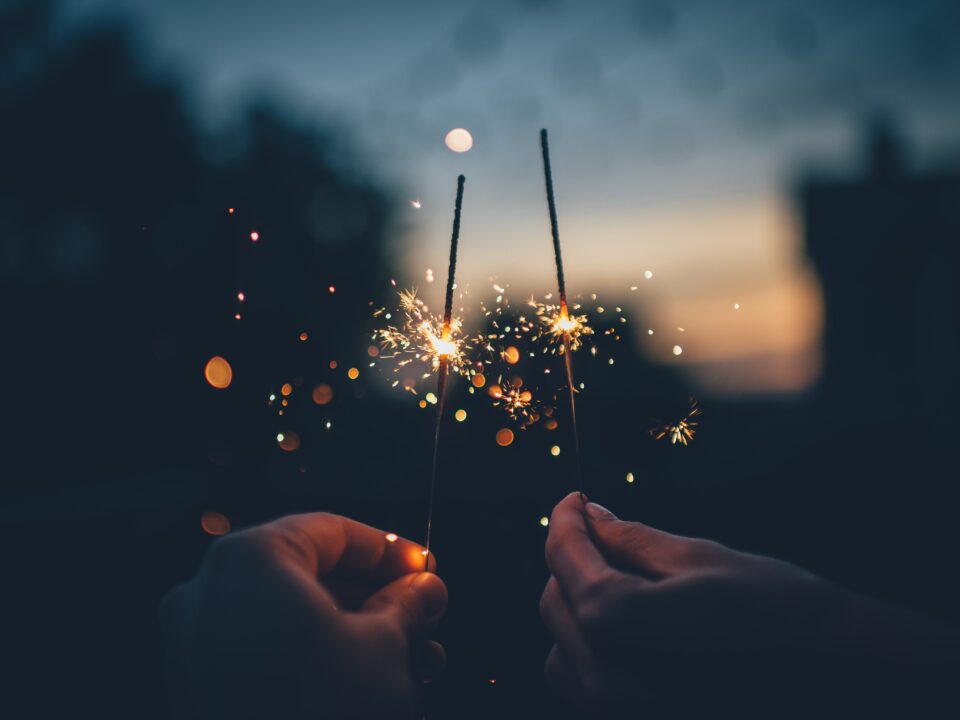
[(445, 351), (424, 337), (558, 327), (683, 430), (564, 324)]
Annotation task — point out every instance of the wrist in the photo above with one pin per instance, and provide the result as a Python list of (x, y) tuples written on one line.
[(864, 628)]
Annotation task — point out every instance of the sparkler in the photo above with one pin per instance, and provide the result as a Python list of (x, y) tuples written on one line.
[(683, 430), (566, 327), (444, 349), (424, 337)]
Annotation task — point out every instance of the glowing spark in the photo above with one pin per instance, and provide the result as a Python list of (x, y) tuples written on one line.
[(513, 398), (736, 306), (555, 450), (424, 338), (254, 236), (391, 537), (241, 297), (556, 324), (682, 431), (630, 477), (648, 274), (416, 204), (544, 521), (677, 350)]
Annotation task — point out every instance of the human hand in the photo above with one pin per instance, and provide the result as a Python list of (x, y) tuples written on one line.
[(640, 615), (310, 615)]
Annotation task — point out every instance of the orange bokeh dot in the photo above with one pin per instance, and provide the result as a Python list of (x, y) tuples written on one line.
[(254, 236), (303, 336), (290, 442), (333, 364), (504, 437), (353, 373), (478, 380), (373, 351), (511, 355), (550, 424), (322, 394), (214, 523), (286, 389), (218, 372), (494, 391)]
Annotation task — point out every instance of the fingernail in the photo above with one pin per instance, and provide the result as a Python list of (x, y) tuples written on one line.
[(599, 512)]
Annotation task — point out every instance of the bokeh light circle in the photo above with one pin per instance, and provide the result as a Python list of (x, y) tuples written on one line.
[(218, 372), (459, 140)]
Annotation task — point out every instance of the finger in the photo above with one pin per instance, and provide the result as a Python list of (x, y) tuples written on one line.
[(415, 602), (560, 673), (570, 553), (433, 662), (328, 543), (563, 626), (633, 545)]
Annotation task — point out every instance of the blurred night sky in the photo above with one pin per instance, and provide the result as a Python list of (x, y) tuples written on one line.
[(677, 130)]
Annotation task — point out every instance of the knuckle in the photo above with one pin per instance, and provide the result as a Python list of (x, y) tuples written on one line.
[(230, 550), (552, 548), (593, 611), (547, 598)]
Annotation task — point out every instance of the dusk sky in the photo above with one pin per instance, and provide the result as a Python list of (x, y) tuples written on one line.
[(676, 132)]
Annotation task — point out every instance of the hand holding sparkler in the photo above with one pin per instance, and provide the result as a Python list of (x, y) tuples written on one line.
[(643, 618), (311, 615)]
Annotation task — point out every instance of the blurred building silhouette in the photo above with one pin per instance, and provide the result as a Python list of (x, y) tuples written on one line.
[(885, 244)]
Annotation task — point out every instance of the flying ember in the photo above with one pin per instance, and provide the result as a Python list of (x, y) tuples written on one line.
[(683, 430)]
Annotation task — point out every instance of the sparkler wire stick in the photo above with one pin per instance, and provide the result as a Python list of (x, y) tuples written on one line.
[(564, 312), (444, 359)]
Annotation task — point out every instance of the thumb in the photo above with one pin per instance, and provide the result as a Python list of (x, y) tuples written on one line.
[(635, 546), (414, 600)]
